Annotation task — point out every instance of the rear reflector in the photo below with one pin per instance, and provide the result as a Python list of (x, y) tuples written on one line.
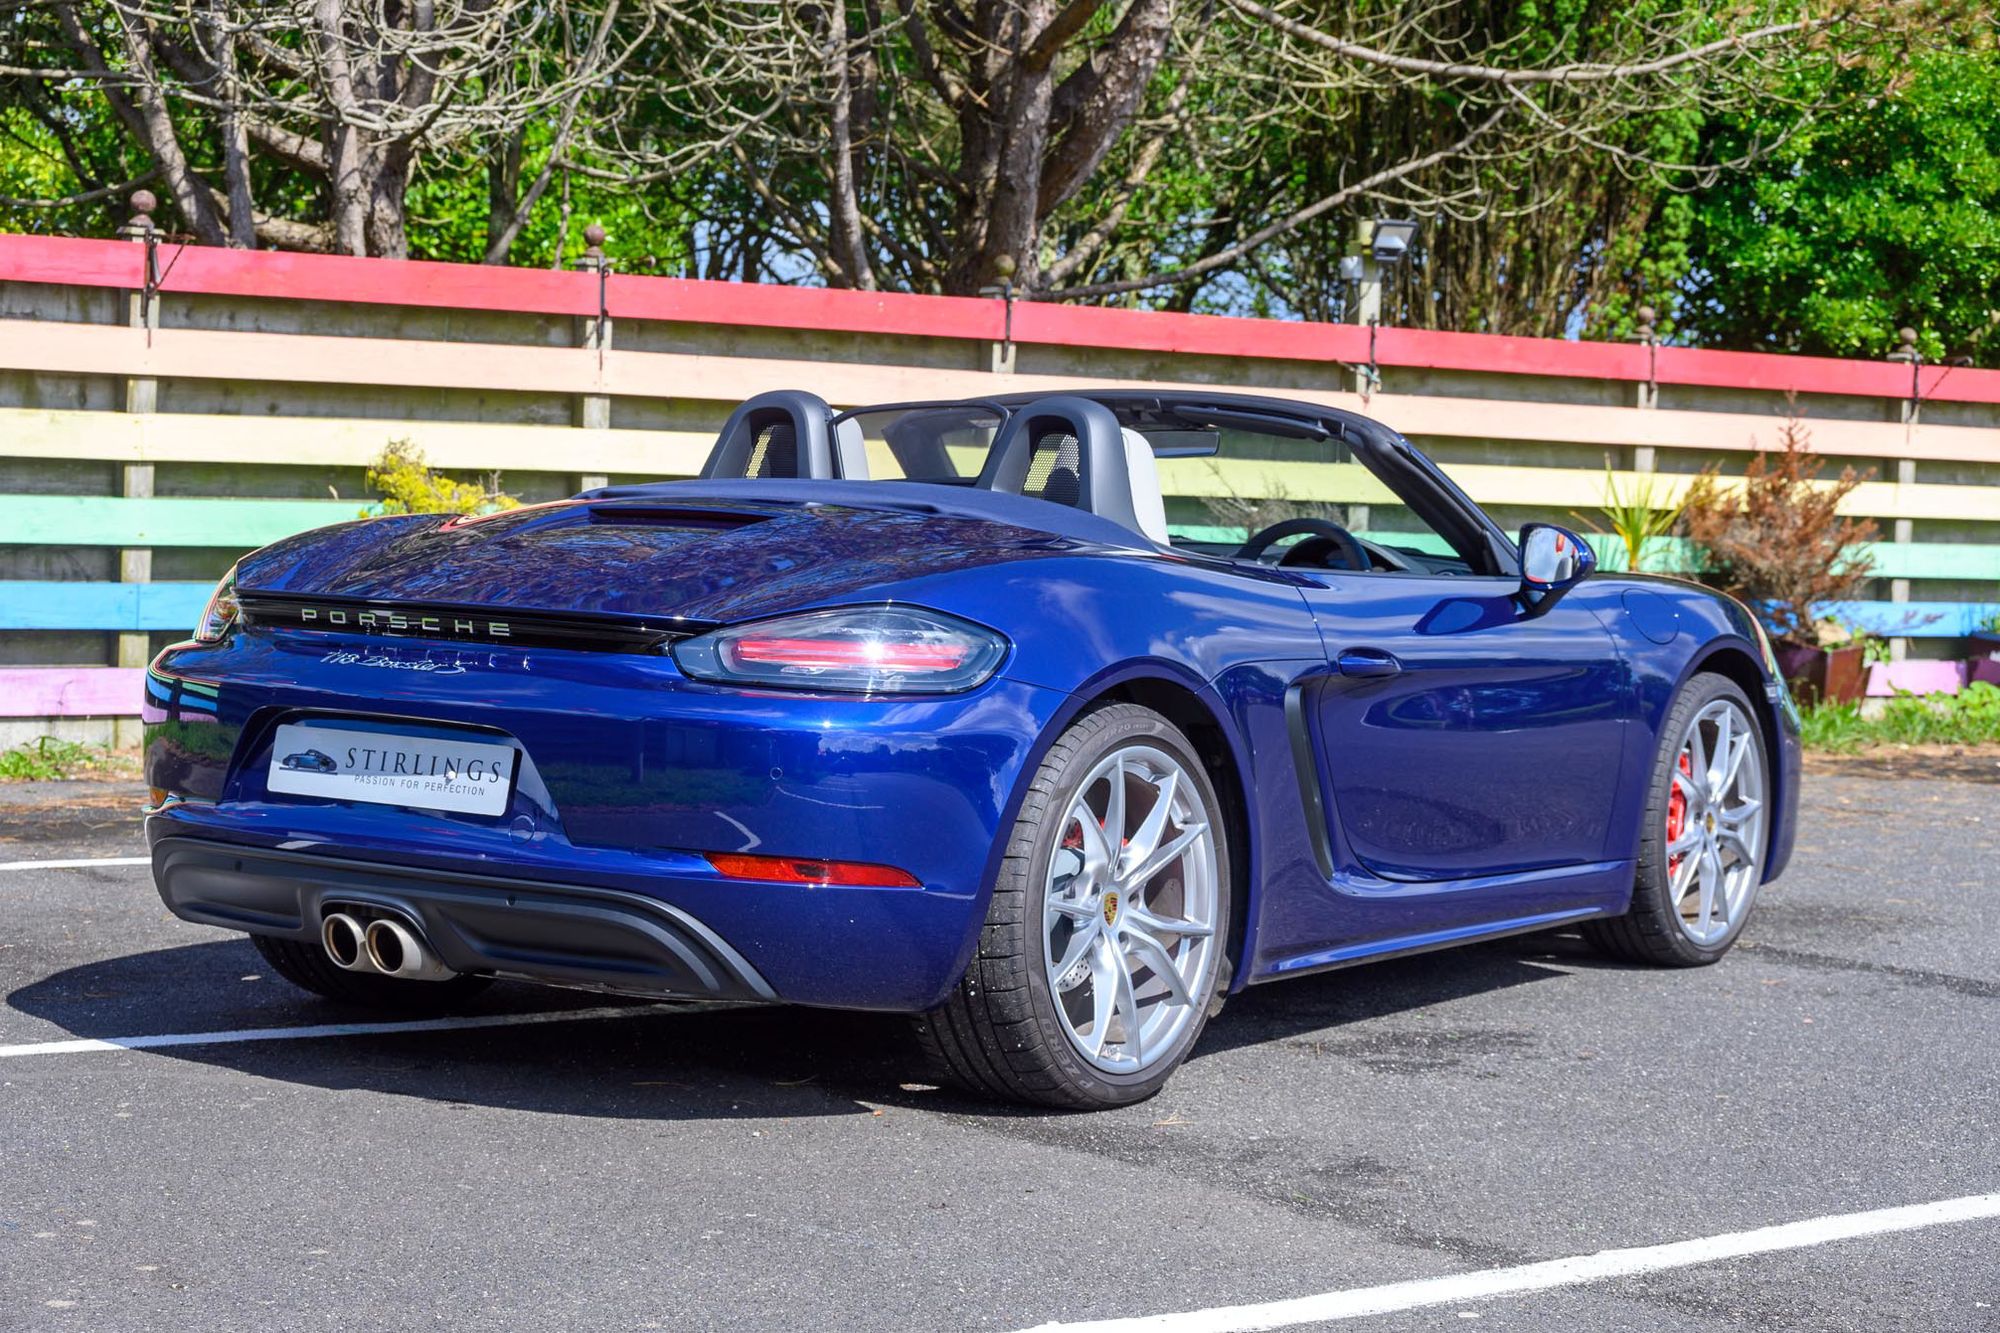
[(801, 870)]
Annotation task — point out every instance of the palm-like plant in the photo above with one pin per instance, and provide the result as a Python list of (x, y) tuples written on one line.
[(1638, 511)]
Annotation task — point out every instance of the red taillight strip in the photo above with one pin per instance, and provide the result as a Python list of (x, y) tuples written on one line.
[(851, 653), (805, 870)]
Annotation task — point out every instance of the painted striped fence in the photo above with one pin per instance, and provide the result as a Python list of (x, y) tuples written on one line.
[(254, 365), (67, 692)]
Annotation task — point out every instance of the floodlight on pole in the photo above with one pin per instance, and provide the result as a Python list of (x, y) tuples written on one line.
[(1389, 240), (1380, 244), (1383, 243)]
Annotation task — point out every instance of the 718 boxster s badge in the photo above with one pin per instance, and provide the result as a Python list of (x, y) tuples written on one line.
[(921, 708)]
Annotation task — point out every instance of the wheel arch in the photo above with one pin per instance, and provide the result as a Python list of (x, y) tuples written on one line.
[(1204, 723), (1740, 666)]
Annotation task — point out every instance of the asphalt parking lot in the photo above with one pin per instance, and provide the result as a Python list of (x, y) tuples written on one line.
[(640, 1167)]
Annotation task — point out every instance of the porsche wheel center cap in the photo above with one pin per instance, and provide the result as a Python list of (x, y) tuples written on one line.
[(1709, 820), (1110, 909)]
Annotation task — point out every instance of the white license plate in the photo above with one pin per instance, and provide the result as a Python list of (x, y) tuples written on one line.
[(462, 776)]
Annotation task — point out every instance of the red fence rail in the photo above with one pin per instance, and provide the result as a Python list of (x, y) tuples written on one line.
[(199, 269)]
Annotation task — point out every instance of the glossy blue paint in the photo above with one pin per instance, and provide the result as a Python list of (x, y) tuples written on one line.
[(1494, 747), (1493, 780)]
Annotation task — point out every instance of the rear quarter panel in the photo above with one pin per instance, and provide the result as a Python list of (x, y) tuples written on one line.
[(1098, 625)]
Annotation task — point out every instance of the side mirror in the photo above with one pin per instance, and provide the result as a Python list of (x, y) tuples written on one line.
[(1553, 559)]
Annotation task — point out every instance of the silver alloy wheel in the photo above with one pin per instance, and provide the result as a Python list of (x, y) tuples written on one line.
[(1715, 824), (1129, 907)]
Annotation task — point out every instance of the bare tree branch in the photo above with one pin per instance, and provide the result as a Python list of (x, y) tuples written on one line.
[(117, 191), (1105, 102), (146, 111), (1575, 73), (497, 249), (849, 244), (1230, 255), (1060, 31)]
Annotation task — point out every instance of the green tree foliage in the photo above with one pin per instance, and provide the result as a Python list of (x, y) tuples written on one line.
[(1884, 214), (66, 166), (403, 129), (1195, 154), (1544, 228)]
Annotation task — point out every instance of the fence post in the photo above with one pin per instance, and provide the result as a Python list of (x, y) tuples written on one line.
[(1644, 458), (1000, 355), (1904, 530), (593, 334), (142, 395)]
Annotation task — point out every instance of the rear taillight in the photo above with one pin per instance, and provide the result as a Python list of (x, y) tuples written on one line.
[(221, 611), (870, 650)]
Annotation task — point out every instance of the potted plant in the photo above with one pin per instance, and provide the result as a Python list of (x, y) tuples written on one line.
[(1639, 515), (1835, 667), (1779, 544)]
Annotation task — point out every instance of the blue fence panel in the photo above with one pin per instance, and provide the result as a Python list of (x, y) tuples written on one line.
[(28, 604)]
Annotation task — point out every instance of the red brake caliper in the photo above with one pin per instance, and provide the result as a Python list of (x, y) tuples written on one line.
[(1677, 814)]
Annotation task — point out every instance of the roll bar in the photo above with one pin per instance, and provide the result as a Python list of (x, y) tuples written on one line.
[(786, 433), (1104, 484)]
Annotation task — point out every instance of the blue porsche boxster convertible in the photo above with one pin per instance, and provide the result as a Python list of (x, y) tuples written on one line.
[(922, 708)]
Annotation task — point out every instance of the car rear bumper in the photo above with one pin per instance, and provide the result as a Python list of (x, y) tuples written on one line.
[(562, 934), (663, 923)]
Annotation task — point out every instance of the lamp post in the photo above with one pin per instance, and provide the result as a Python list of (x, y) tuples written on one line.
[(1379, 245)]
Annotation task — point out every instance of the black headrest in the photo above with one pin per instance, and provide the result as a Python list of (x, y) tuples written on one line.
[(1067, 450)]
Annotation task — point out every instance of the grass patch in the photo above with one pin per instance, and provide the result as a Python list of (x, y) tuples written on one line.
[(49, 759), (1971, 717)]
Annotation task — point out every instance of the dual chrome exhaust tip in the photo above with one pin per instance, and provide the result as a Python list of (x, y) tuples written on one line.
[(381, 945)]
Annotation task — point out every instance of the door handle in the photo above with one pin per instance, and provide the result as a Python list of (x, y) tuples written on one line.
[(1367, 662)]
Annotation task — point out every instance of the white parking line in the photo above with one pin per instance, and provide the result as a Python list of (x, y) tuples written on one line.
[(77, 863), (81, 1045), (1597, 1267)]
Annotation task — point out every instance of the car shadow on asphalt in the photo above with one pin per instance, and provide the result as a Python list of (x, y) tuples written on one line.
[(1345, 997), (660, 1062)]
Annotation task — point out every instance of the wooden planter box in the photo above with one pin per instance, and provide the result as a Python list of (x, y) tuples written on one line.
[(1820, 674), (1983, 665)]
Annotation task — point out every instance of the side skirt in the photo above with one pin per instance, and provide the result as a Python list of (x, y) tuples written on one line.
[(1326, 960)]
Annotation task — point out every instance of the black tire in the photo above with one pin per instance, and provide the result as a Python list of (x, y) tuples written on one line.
[(999, 1034), (1651, 932), (307, 966)]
